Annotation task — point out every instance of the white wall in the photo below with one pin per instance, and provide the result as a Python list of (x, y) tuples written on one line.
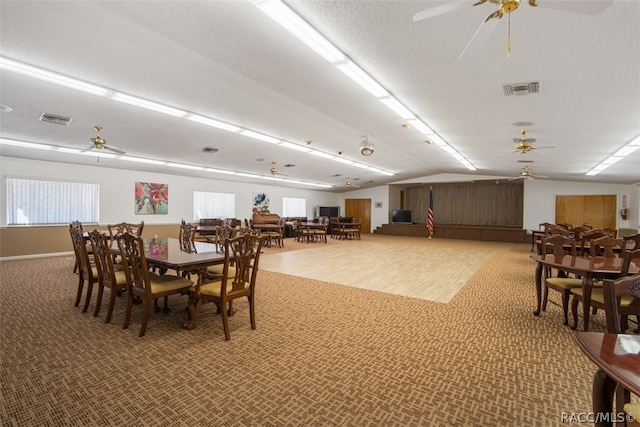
[(117, 191), (117, 194), (540, 197)]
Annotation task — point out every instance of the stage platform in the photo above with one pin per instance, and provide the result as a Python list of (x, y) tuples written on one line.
[(464, 232)]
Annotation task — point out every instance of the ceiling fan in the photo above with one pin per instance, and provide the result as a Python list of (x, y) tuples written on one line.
[(507, 6), (274, 171), (349, 184), (527, 174), (99, 143), (524, 145)]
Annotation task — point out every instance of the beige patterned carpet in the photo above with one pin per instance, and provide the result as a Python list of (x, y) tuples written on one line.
[(323, 354)]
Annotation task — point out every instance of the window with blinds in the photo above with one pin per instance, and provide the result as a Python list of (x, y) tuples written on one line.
[(294, 207), (49, 202), (213, 205)]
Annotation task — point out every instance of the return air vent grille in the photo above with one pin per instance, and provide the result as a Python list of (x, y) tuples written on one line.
[(52, 118), (520, 88)]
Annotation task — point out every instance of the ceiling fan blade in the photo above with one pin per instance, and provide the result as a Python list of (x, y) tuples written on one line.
[(591, 7), (513, 179), (114, 149), (440, 10), (479, 38), (92, 147), (546, 146), (539, 177)]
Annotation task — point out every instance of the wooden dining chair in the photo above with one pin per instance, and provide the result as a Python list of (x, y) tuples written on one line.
[(87, 271), (108, 276), (186, 236), (597, 293), (607, 246), (559, 246), (631, 242), (243, 254), (116, 230), (142, 283)]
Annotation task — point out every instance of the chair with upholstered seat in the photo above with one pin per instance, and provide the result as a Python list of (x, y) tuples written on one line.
[(631, 242), (597, 293), (622, 299), (187, 236), (108, 276), (587, 237), (559, 246), (277, 234), (321, 233), (142, 283), (87, 272), (124, 227), (239, 282)]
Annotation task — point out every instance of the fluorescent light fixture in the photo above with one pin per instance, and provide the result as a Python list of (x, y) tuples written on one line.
[(98, 154), (285, 16), (142, 160), (25, 144), (626, 150), (635, 141), (213, 123), (321, 154), (469, 166), (260, 136), (458, 156), (40, 74), (220, 171), (294, 146), (272, 178), (342, 160), (69, 150), (149, 105), (387, 173), (360, 165), (611, 160), (436, 140), (295, 181), (376, 170), (184, 166), (248, 175), (420, 126), (397, 107), (363, 79), (449, 149)]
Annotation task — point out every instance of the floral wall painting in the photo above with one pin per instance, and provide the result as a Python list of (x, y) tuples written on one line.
[(260, 202), (151, 198)]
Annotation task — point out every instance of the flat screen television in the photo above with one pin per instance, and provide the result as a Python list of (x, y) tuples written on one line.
[(328, 211), (401, 216)]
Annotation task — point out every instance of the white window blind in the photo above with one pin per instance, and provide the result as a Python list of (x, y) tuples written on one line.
[(294, 207), (37, 202), (213, 205)]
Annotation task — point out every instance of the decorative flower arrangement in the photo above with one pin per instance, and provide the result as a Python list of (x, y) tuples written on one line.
[(152, 198)]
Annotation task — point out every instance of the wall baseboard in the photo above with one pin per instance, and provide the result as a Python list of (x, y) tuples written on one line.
[(13, 258)]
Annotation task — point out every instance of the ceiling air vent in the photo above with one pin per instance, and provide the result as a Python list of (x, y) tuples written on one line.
[(52, 118), (210, 150), (520, 88)]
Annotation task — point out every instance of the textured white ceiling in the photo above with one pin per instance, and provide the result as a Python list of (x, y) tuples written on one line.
[(226, 59)]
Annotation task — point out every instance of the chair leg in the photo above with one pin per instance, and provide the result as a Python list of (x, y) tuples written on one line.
[(166, 308), (112, 303), (225, 323), (574, 312), (127, 316), (565, 307), (545, 297), (98, 300), (145, 317), (80, 288), (88, 300), (252, 311)]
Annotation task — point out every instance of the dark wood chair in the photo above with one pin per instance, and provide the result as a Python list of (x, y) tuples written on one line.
[(597, 293), (116, 230), (142, 283), (631, 242), (588, 236), (559, 246), (276, 235), (108, 276), (243, 253), (622, 299), (606, 246), (187, 236), (87, 272)]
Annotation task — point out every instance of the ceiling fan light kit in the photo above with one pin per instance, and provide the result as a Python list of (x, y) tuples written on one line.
[(366, 147)]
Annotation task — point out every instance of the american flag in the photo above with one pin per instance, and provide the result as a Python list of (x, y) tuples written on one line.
[(430, 213)]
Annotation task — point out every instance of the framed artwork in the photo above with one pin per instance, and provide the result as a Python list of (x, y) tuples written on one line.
[(260, 202), (152, 198)]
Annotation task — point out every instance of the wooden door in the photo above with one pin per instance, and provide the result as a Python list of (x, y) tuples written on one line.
[(359, 208), (597, 211)]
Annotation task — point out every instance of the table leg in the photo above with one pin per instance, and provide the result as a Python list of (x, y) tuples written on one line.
[(587, 287), (602, 394), (538, 289)]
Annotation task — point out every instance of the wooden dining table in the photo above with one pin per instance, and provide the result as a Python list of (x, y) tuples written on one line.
[(167, 254), (588, 267), (617, 357)]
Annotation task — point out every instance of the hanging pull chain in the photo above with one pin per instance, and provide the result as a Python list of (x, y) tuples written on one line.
[(509, 38)]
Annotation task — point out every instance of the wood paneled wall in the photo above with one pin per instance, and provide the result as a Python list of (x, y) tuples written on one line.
[(598, 211)]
